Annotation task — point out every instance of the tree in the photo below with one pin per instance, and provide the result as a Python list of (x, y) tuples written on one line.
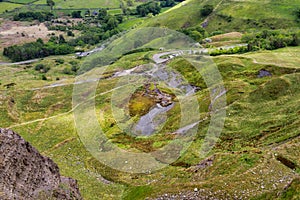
[(195, 35), (70, 33), (40, 41), (102, 14), (150, 7), (167, 3), (206, 10), (76, 14), (112, 23), (61, 39), (44, 77), (50, 3), (297, 12)]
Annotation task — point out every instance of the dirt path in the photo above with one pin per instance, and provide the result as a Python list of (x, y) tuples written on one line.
[(207, 18), (19, 63)]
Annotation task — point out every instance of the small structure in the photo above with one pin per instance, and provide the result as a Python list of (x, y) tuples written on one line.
[(207, 40)]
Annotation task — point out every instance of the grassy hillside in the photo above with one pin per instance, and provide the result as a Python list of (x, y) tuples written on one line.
[(257, 155), (185, 14), (6, 6), (231, 15), (261, 127)]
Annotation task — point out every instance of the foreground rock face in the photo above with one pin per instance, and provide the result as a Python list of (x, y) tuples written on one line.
[(26, 174)]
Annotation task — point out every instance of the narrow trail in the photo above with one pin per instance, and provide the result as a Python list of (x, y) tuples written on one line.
[(207, 18), (19, 63)]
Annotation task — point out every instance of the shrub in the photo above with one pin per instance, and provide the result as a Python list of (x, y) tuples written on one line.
[(70, 34), (42, 68), (206, 10), (271, 40), (44, 77), (59, 61), (67, 71), (150, 7)]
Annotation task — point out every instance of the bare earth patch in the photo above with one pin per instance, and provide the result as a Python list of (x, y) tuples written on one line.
[(226, 39), (225, 36), (13, 33)]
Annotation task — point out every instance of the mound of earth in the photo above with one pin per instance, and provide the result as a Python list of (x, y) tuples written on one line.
[(26, 174)]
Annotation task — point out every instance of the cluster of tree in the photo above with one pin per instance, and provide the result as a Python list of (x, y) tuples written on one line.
[(297, 12), (197, 33), (149, 7), (167, 3), (234, 50), (106, 25), (50, 3), (29, 16), (76, 14), (58, 28), (206, 10), (271, 39), (266, 40), (55, 46)]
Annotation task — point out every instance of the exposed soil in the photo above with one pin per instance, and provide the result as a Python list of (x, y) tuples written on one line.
[(14, 32)]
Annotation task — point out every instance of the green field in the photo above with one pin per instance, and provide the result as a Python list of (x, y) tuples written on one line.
[(8, 6), (77, 4), (115, 11)]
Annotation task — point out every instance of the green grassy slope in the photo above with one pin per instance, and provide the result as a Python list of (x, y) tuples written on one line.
[(231, 15), (262, 122), (6, 6)]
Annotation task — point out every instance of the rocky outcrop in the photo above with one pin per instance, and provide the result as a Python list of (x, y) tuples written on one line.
[(26, 174)]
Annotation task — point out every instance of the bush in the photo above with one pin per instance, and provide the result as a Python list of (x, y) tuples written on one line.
[(44, 77), (150, 7), (59, 61), (206, 10), (167, 3), (219, 32), (38, 67), (67, 71), (234, 50), (70, 34), (271, 40), (76, 14), (197, 33), (42, 68), (34, 50), (29, 16)]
